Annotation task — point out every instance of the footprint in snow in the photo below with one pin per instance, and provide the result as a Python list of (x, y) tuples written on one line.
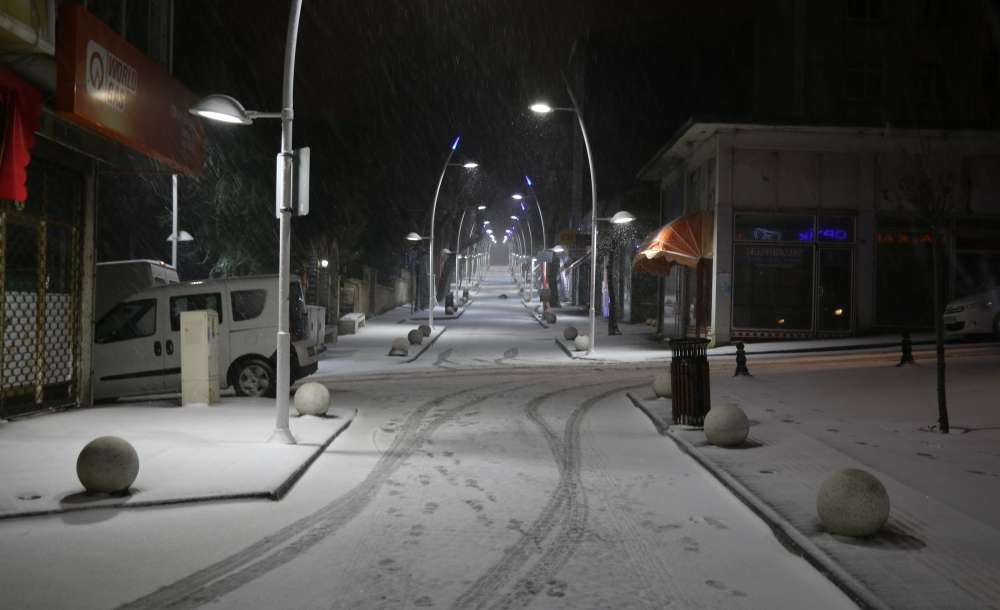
[(423, 602)]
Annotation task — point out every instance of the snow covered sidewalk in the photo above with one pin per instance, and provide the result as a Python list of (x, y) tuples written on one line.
[(186, 454), (940, 546)]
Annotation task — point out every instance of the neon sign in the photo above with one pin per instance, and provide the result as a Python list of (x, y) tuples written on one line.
[(825, 234)]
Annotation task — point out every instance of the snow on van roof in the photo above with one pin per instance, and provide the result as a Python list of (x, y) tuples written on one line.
[(136, 260)]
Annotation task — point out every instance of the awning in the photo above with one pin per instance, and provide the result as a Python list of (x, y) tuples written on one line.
[(683, 241)]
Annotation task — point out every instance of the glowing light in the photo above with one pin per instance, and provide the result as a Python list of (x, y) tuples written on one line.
[(541, 108), (558, 249), (622, 217), (481, 207), (528, 180), (324, 263), (517, 196), (838, 312), (781, 320), (413, 237), (454, 145), (218, 116), (513, 217)]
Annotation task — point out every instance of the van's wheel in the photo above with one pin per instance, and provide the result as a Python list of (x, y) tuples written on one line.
[(254, 377)]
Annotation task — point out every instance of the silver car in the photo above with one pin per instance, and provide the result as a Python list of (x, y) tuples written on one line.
[(974, 315)]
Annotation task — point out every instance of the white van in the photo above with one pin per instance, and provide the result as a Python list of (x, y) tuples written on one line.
[(117, 280), (137, 343)]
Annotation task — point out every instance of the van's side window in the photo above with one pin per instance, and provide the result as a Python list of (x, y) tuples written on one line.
[(131, 320), (193, 302), (248, 304)]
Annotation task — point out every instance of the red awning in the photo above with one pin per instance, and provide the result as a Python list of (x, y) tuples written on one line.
[(22, 110), (683, 241)]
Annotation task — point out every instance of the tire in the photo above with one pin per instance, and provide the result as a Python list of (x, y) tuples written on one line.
[(254, 377)]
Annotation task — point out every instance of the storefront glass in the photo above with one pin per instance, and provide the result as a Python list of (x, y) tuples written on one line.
[(801, 281), (904, 276)]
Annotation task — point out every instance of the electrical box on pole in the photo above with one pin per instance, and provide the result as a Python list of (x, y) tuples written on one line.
[(293, 174)]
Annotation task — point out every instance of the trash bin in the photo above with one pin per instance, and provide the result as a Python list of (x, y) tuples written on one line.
[(689, 381)]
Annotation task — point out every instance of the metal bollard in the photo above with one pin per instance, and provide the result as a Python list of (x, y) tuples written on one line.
[(689, 381), (741, 361), (906, 346)]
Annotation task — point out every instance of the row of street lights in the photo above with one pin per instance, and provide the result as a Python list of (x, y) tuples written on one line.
[(226, 109)]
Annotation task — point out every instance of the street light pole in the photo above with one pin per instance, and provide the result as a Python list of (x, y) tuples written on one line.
[(282, 433), (432, 294)]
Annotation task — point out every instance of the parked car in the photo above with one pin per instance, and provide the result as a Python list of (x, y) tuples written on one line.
[(117, 280), (976, 314), (137, 343)]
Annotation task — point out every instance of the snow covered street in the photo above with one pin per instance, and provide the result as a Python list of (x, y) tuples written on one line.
[(494, 472)]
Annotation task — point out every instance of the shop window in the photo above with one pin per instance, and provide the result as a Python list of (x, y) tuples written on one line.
[(837, 229), (863, 81), (773, 227), (904, 282), (772, 287)]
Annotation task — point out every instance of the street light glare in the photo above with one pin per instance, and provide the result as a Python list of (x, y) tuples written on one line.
[(222, 108), (622, 217), (513, 217), (541, 108), (517, 196), (413, 237), (470, 165), (481, 208), (558, 249)]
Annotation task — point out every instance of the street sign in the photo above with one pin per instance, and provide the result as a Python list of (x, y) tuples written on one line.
[(299, 178), (300, 194)]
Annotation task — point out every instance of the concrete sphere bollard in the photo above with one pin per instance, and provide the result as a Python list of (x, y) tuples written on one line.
[(581, 343), (726, 426), (661, 385), (400, 347), (415, 337), (107, 464), (570, 333), (312, 399), (426, 330), (852, 502), (548, 317)]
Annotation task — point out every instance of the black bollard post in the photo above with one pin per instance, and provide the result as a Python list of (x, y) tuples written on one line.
[(741, 361), (906, 346)]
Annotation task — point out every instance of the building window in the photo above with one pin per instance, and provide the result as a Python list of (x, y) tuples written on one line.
[(773, 227), (863, 81), (772, 287), (866, 11)]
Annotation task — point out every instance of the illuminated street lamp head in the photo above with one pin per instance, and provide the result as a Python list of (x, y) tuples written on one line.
[(528, 180), (489, 231), (621, 218), (517, 196), (222, 108), (447, 252), (513, 217), (558, 249), (470, 165), (486, 222), (541, 108), (324, 263), (413, 237), (481, 207)]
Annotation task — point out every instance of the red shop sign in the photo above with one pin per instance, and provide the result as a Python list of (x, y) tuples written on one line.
[(106, 84)]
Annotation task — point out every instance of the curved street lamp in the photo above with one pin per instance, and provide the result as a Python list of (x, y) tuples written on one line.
[(228, 110), (544, 108)]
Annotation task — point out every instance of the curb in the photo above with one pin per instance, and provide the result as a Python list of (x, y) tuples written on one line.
[(455, 316), (427, 345), (533, 315), (565, 349), (790, 537), (276, 494)]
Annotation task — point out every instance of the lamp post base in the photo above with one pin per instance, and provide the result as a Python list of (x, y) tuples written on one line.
[(282, 436)]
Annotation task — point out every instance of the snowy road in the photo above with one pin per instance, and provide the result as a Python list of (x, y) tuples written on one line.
[(499, 487)]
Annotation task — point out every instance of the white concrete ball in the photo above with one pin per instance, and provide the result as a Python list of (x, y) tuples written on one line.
[(726, 426), (570, 333), (312, 399), (661, 385), (107, 464), (852, 502), (400, 346), (581, 342)]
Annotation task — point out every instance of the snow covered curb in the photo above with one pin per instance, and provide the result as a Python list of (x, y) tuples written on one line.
[(789, 536), (187, 455), (458, 314), (534, 316)]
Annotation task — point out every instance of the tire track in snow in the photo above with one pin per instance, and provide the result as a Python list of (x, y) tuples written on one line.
[(566, 511), (290, 541)]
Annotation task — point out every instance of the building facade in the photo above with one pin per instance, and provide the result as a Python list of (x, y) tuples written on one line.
[(87, 96), (812, 232)]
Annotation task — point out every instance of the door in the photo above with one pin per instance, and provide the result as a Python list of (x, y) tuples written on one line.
[(128, 351), (172, 334), (834, 294)]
